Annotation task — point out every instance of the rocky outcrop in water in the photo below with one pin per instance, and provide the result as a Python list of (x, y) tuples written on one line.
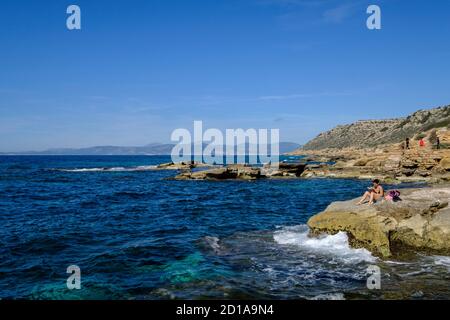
[(181, 166), (226, 173), (420, 221), (244, 172)]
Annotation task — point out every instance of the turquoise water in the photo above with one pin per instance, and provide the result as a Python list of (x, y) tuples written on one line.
[(136, 235)]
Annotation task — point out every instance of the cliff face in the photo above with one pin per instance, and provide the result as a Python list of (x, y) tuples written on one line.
[(372, 133)]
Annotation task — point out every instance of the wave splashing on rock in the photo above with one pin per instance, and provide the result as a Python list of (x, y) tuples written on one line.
[(337, 246)]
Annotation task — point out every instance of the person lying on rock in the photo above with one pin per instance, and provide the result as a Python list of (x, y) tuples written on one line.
[(373, 193)]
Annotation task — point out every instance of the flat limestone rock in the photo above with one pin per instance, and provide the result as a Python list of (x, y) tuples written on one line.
[(231, 172), (421, 221), (181, 166), (244, 172), (445, 163)]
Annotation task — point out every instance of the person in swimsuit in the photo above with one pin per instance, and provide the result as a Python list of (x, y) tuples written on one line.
[(374, 193)]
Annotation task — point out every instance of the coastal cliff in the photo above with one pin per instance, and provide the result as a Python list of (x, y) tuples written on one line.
[(373, 133), (420, 221), (377, 149)]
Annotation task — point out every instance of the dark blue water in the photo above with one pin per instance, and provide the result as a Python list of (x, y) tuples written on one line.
[(137, 235)]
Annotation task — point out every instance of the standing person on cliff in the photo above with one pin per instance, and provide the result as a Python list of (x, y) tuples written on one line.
[(438, 143), (422, 142), (407, 143)]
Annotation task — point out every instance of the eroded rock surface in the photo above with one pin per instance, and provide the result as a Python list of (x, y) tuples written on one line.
[(421, 221), (389, 164), (244, 172), (378, 149), (181, 166)]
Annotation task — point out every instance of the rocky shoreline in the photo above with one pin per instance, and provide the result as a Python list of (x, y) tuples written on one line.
[(389, 164), (416, 148), (419, 222)]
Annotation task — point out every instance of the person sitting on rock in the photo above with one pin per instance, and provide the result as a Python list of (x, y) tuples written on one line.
[(373, 193)]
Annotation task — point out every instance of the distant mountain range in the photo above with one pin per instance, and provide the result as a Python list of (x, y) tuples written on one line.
[(149, 149)]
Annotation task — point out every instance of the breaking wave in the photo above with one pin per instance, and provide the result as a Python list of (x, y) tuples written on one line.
[(442, 261), (111, 169), (333, 245), (329, 296)]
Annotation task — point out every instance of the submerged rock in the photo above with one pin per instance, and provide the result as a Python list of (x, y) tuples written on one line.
[(420, 221)]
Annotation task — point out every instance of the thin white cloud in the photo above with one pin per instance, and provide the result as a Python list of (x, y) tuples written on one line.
[(301, 14), (303, 95), (340, 13), (292, 3), (209, 100), (285, 97)]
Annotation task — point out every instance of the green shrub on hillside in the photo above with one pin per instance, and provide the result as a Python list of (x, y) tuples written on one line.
[(440, 124), (420, 136)]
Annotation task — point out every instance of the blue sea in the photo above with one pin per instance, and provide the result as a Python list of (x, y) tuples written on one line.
[(137, 235)]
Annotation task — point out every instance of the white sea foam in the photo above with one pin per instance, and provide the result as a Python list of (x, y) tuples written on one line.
[(82, 170), (213, 242), (329, 296), (146, 167), (442, 261), (110, 169), (398, 262), (331, 245)]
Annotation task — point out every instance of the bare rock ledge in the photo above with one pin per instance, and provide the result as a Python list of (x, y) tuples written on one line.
[(421, 222), (244, 172)]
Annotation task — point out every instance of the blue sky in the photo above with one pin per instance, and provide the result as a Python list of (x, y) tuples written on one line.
[(140, 69)]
